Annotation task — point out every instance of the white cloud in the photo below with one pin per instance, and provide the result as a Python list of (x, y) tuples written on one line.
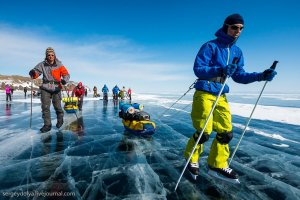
[(95, 61)]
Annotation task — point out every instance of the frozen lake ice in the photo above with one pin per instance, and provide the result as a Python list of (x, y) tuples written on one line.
[(93, 157)]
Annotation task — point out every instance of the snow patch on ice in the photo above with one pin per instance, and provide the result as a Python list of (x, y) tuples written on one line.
[(262, 133), (274, 113), (281, 145)]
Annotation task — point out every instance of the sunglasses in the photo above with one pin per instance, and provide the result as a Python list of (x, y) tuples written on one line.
[(50, 55), (235, 28)]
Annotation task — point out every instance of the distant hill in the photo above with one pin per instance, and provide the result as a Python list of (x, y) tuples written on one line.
[(19, 82)]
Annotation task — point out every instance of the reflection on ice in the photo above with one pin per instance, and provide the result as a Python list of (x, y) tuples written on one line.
[(92, 157)]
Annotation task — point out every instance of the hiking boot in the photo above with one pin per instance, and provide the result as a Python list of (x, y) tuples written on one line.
[(226, 172), (194, 168), (45, 128), (59, 123)]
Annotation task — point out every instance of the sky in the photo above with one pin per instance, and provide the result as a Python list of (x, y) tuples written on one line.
[(148, 45)]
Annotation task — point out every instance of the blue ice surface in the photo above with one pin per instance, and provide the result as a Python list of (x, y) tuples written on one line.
[(93, 157)]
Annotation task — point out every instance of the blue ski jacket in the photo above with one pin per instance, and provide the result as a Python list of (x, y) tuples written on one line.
[(116, 90), (105, 89), (211, 60)]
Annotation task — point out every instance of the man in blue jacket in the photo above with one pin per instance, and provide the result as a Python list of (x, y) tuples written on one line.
[(115, 91), (105, 90), (213, 63)]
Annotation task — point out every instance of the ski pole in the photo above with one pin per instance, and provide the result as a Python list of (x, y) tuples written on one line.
[(183, 109), (76, 115), (205, 124), (190, 88), (31, 104), (248, 122)]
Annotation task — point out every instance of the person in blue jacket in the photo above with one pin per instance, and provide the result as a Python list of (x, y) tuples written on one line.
[(213, 63), (105, 90), (115, 91)]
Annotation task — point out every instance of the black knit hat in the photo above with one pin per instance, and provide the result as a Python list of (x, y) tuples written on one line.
[(232, 19)]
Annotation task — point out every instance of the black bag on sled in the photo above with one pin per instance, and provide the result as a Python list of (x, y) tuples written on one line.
[(137, 115)]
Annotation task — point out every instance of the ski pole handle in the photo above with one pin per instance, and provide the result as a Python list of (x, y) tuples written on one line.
[(274, 65)]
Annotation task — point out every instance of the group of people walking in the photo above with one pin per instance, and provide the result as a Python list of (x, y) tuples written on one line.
[(121, 93), (9, 90), (216, 61), (116, 92), (55, 76)]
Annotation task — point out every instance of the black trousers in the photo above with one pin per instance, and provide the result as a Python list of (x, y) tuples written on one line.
[(46, 98), (8, 96)]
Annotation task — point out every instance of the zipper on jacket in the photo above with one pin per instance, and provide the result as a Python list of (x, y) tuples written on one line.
[(228, 55)]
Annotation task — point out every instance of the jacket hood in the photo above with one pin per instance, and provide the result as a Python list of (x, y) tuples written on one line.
[(224, 38)]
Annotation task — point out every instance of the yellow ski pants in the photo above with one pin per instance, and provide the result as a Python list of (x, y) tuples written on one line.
[(220, 122)]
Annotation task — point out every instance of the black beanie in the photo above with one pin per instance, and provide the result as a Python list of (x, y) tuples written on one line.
[(232, 19)]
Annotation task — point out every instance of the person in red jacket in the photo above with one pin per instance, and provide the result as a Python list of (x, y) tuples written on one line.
[(79, 91), (129, 93)]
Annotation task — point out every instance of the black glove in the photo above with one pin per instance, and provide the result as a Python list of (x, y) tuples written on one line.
[(268, 74), (230, 69), (63, 82), (32, 73)]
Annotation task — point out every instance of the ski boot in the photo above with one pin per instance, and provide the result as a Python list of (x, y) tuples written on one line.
[(193, 169), (226, 174), (45, 128)]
